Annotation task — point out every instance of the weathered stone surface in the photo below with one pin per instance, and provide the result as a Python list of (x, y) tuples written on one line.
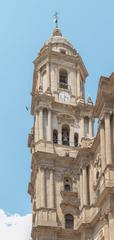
[(72, 178)]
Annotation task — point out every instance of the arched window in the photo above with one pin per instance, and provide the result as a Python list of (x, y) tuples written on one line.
[(76, 139), (69, 221), (67, 184), (63, 79), (55, 136), (65, 135)]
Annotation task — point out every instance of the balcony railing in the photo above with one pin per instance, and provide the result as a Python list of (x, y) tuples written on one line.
[(58, 148), (65, 142), (64, 86), (70, 190)]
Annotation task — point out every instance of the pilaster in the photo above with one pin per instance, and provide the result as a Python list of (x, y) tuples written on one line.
[(49, 125), (52, 188), (81, 127), (78, 82), (71, 135), (41, 124), (102, 146), (59, 133), (85, 190), (91, 181), (108, 138), (81, 189), (43, 187), (36, 128)]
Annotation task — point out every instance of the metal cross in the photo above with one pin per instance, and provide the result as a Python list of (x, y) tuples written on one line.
[(56, 19)]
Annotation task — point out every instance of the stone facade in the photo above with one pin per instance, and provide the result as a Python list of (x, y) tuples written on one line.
[(72, 172)]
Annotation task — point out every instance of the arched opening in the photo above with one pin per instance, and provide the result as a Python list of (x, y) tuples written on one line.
[(67, 185), (69, 221), (63, 79), (76, 139), (55, 136), (65, 135)]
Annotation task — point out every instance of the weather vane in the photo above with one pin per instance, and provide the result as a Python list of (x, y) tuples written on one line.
[(56, 19)]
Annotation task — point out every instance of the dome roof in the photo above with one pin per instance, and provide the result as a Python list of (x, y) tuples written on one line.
[(58, 38)]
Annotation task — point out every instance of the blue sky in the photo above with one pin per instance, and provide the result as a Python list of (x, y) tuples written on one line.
[(24, 26)]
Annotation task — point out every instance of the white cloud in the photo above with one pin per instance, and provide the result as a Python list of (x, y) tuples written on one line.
[(15, 227)]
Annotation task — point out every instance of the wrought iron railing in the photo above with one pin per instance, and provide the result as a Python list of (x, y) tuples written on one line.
[(64, 86), (72, 189)]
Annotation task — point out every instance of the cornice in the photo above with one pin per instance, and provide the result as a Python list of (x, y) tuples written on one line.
[(105, 94)]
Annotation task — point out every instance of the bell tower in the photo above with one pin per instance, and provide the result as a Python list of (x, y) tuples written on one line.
[(62, 120), (60, 71)]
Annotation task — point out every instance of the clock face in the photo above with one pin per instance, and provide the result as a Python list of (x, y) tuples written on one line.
[(64, 96)]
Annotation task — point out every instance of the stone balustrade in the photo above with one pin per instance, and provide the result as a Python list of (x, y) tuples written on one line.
[(61, 150), (46, 217), (87, 216)]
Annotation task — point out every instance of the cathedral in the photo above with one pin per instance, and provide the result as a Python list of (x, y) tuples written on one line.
[(72, 170)]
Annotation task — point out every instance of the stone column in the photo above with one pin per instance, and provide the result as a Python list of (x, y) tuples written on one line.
[(39, 79), (36, 128), (41, 123), (49, 133), (48, 74), (37, 188), (81, 127), (42, 190), (59, 133), (90, 128), (85, 193), (81, 189), (102, 146), (72, 135), (91, 181), (78, 82), (51, 188), (108, 139)]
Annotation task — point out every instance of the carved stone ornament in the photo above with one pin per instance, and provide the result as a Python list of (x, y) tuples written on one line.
[(86, 142), (67, 173), (97, 166), (65, 118)]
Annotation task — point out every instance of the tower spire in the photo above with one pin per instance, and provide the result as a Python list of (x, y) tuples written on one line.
[(56, 31), (56, 19)]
